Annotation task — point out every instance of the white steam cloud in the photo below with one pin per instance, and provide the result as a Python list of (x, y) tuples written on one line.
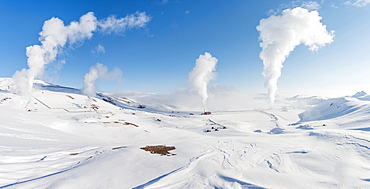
[(99, 71), (55, 36), (281, 34), (202, 73)]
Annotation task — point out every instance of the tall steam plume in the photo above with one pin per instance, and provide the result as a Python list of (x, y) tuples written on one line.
[(202, 73), (55, 36), (281, 34), (98, 72)]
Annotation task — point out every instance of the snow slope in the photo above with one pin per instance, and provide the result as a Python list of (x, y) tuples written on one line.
[(59, 138)]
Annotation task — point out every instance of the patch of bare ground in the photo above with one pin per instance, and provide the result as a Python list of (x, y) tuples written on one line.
[(73, 154), (4, 99), (125, 123), (119, 147), (160, 149), (128, 123), (69, 96)]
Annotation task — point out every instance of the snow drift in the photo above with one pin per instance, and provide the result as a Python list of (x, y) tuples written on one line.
[(331, 108)]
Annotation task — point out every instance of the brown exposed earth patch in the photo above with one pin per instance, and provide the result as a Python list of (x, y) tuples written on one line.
[(128, 123), (119, 147), (160, 149)]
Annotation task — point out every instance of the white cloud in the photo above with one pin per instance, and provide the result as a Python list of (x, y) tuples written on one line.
[(187, 12), (311, 5), (358, 3), (334, 6), (120, 25), (164, 1), (98, 49)]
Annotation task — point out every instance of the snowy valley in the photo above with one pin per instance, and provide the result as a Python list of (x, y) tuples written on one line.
[(59, 138)]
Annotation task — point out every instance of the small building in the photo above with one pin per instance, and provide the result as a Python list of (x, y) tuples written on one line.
[(206, 113)]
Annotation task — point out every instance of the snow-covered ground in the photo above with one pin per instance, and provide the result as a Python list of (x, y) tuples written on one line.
[(58, 138)]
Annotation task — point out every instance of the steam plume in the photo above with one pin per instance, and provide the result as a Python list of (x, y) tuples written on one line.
[(55, 36), (98, 72), (281, 34), (202, 73)]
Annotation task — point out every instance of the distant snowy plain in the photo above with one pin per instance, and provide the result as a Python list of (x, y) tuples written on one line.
[(59, 138)]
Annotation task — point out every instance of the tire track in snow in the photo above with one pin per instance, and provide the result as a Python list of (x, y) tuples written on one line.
[(273, 117)]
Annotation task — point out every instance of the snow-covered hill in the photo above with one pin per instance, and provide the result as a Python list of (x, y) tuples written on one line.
[(59, 138), (333, 108)]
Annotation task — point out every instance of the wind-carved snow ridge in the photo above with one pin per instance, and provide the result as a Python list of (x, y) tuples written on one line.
[(329, 109), (362, 95), (199, 169), (55, 158)]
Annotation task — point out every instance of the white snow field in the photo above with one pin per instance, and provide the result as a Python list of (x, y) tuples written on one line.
[(58, 138)]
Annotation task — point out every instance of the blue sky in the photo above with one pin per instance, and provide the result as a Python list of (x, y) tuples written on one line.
[(158, 57)]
